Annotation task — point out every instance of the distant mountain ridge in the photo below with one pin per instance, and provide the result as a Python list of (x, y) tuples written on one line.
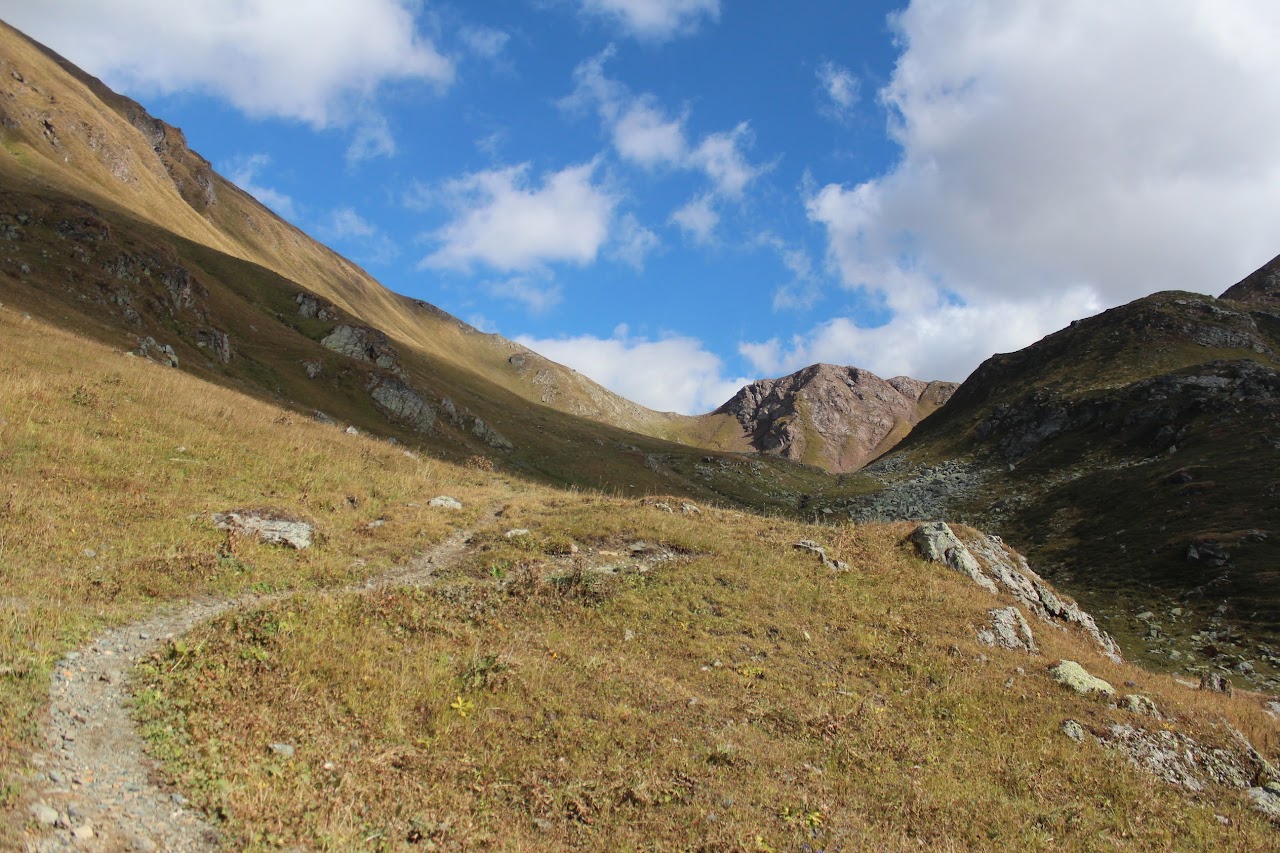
[(838, 418)]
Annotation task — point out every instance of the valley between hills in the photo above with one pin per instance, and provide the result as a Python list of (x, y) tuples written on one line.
[(288, 560)]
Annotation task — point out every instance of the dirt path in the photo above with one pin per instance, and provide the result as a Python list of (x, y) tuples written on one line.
[(100, 782)]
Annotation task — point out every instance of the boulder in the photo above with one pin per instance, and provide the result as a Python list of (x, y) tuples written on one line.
[(1009, 630), (1071, 674), (272, 528), (939, 544), (363, 344), (397, 399)]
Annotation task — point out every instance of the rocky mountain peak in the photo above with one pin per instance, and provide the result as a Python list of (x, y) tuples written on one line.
[(1261, 286), (833, 416)]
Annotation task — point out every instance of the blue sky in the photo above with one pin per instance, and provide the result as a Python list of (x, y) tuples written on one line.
[(678, 196)]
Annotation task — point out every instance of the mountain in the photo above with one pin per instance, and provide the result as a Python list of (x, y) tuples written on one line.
[(111, 225), (837, 418), (1133, 457)]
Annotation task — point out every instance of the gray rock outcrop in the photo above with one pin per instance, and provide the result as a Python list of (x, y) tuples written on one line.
[(1009, 630), (938, 542), (397, 399), (363, 344), (163, 353), (272, 528), (312, 307)]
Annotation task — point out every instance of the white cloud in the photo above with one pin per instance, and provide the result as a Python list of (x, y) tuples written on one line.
[(360, 236), (804, 286), (243, 172), (372, 139), (720, 156), (698, 219), (632, 242), (311, 60), (1057, 159), (484, 42), (944, 342), (505, 222), (655, 20), (839, 88), (646, 134), (671, 373), (539, 296)]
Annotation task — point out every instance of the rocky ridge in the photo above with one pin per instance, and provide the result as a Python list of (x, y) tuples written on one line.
[(835, 417)]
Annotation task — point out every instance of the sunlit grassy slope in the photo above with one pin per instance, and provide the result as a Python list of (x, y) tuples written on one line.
[(737, 696)]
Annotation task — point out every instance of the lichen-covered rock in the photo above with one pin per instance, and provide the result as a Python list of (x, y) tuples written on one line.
[(1071, 674), (445, 502), (1009, 630), (272, 528), (1141, 705), (938, 543), (1073, 730)]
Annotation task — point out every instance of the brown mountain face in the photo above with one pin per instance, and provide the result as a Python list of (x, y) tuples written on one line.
[(838, 418)]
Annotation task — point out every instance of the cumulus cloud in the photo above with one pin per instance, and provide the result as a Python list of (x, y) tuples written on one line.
[(1056, 159), (944, 342), (645, 133), (505, 221), (310, 60), (655, 20), (839, 90), (243, 172), (632, 242), (698, 219), (672, 372)]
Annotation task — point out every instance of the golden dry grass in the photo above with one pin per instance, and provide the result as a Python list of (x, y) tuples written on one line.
[(739, 697), (109, 470)]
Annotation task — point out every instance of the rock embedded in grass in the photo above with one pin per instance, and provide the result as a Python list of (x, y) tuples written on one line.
[(445, 502), (266, 527), (1071, 674)]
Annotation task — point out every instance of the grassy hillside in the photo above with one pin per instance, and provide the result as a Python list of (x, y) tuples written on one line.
[(620, 677), (1132, 456)]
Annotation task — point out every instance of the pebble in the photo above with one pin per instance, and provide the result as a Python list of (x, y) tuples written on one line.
[(285, 750)]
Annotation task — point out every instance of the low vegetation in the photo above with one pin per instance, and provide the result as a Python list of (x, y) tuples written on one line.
[(621, 676)]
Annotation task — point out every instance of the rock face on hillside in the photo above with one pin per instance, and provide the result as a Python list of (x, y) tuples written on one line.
[(836, 417), (1261, 287)]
